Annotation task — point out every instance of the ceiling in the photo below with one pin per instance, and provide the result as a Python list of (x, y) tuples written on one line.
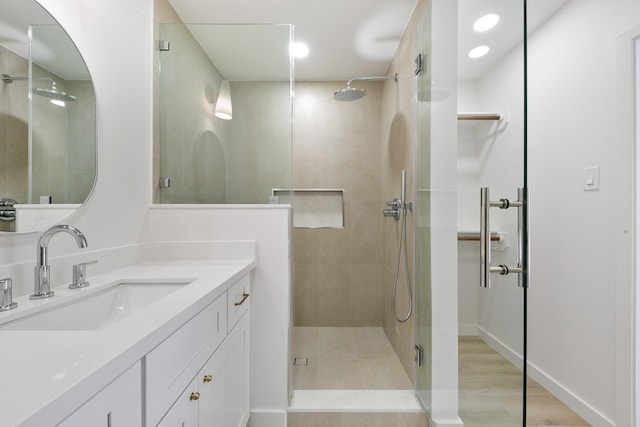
[(503, 37), (354, 38), (52, 48), (246, 52), (346, 38)]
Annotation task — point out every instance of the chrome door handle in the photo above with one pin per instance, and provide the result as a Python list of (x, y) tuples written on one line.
[(485, 237), (485, 241), (523, 237)]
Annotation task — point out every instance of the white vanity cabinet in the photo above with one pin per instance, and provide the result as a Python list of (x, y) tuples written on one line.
[(224, 382), (117, 405), (184, 413), (201, 371)]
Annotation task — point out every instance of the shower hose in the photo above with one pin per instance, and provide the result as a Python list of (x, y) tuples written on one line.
[(402, 245)]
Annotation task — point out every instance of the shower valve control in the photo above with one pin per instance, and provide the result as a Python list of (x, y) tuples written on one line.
[(394, 209)]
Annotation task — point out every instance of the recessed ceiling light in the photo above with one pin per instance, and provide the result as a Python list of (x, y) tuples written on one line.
[(478, 52), (298, 50), (486, 22)]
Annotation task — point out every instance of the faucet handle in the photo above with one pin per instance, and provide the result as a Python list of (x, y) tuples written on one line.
[(80, 274), (6, 295)]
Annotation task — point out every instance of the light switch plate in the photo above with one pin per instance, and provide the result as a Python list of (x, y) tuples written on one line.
[(591, 178)]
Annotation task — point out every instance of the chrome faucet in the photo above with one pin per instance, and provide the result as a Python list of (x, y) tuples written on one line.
[(42, 287)]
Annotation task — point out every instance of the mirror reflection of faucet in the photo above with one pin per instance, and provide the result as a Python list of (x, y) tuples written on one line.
[(42, 286)]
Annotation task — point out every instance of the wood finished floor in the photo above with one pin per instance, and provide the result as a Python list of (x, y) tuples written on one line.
[(490, 392)]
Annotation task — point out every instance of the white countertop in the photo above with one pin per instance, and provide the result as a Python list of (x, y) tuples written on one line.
[(45, 375)]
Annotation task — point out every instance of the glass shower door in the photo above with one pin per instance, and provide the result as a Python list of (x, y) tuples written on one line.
[(471, 244)]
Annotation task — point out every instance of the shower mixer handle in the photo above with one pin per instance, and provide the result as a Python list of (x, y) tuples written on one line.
[(393, 211)]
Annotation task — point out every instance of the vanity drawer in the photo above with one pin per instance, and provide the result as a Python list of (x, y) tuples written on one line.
[(238, 300), (171, 366)]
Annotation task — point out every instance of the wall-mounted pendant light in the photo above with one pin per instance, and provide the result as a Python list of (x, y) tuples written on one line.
[(223, 104)]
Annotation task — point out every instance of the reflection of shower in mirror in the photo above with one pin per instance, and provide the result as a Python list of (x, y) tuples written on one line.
[(54, 94)]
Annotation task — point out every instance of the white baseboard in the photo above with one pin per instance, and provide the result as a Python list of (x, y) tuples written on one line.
[(579, 406), (566, 396), (505, 351)]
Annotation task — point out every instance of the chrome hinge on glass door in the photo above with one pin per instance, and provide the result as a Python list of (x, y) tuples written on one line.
[(521, 266)]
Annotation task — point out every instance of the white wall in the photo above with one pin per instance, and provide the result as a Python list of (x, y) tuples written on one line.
[(490, 154), (573, 118), (500, 148), (114, 38), (637, 219), (268, 226), (578, 316)]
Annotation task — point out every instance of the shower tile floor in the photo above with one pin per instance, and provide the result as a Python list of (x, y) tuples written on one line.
[(346, 358)]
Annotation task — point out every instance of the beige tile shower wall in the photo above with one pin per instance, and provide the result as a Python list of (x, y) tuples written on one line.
[(163, 13), (398, 153), (338, 273), (210, 160), (188, 138), (64, 147), (81, 141), (13, 132), (52, 156), (258, 143), (49, 136), (191, 137)]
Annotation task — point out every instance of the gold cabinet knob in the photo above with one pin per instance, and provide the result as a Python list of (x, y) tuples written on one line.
[(207, 378), (194, 396)]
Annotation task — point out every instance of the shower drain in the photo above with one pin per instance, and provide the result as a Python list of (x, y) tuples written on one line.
[(301, 361)]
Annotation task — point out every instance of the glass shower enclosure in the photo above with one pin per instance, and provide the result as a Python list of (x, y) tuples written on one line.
[(471, 241)]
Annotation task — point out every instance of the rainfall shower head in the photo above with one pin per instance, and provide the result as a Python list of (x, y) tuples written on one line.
[(352, 94), (349, 93), (53, 93)]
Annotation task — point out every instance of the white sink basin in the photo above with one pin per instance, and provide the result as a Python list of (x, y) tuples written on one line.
[(96, 310)]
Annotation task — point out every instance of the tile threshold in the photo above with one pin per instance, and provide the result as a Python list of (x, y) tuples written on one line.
[(354, 401)]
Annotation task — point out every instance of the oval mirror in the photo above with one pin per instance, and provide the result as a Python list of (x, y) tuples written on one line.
[(47, 121)]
